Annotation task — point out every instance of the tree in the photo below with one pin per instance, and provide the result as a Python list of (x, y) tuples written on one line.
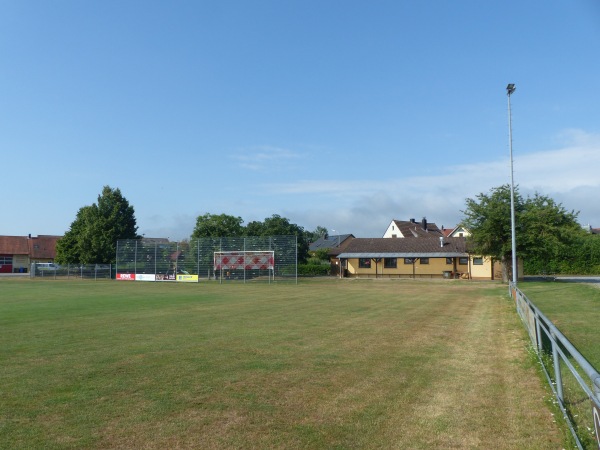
[(488, 220), (543, 228), (319, 232), (92, 237), (280, 226), (548, 233), (218, 225), (322, 254)]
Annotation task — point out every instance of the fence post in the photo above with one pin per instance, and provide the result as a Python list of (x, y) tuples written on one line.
[(538, 331), (557, 374)]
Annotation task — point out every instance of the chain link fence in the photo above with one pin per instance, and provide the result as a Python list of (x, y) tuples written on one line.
[(85, 271), (254, 258)]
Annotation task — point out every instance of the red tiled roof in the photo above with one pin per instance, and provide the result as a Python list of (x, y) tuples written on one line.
[(447, 231), (43, 246), (14, 245), (40, 247)]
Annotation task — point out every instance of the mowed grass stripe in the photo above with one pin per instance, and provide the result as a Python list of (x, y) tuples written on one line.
[(351, 364)]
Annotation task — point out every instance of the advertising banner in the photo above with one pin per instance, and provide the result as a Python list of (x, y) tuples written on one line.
[(187, 278), (126, 276), (145, 277), (165, 277)]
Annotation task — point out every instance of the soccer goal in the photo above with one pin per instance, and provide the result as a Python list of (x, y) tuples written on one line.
[(239, 258), (244, 265)]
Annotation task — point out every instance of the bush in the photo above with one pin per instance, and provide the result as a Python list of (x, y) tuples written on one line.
[(313, 270), (317, 261)]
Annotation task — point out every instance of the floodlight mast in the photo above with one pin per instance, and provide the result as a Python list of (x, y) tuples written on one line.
[(510, 89)]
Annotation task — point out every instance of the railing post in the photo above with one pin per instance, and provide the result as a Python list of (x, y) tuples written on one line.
[(596, 389), (557, 374), (538, 331)]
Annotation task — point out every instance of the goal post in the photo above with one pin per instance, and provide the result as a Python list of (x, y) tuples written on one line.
[(246, 264)]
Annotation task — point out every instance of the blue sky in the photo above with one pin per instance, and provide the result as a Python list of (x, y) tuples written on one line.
[(343, 114)]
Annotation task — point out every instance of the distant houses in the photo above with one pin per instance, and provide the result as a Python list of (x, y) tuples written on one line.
[(408, 248), (416, 249), (17, 253)]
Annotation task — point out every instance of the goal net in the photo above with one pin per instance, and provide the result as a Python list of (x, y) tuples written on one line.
[(243, 264)]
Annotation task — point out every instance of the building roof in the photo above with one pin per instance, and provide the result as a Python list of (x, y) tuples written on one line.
[(405, 248), (456, 231), (14, 245), (447, 231), (42, 247), (411, 228), (329, 242)]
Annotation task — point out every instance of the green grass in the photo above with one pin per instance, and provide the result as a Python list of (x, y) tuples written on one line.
[(574, 308), (334, 364)]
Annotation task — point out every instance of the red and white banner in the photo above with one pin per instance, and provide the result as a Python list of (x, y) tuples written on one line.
[(244, 260), (126, 276)]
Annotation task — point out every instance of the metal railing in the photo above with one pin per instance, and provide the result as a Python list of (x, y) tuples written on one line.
[(572, 378)]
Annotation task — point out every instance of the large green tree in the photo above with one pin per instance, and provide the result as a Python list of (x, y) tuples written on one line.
[(92, 237), (544, 229), (280, 226), (218, 225), (549, 234)]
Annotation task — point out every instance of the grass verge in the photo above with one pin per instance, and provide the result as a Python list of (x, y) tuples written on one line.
[(574, 308)]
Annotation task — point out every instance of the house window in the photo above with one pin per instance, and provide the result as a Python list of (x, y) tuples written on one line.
[(409, 260), (6, 260), (449, 261), (394, 236), (364, 263), (478, 261), (463, 260), (390, 263), (424, 260)]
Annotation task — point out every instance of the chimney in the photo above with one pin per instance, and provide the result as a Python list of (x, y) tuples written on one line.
[(412, 221), (441, 241), (424, 223)]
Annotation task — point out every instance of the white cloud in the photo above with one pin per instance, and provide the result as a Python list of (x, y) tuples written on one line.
[(263, 156), (569, 174), (364, 207)]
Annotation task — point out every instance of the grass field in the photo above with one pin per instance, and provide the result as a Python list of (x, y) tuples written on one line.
[(322, 364), (574, 308)]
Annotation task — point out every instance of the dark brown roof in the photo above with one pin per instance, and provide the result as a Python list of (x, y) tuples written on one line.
[(385, 247), (418, 229), (329, 242)]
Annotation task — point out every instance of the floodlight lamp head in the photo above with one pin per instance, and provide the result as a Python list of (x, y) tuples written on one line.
[(510, 88)]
